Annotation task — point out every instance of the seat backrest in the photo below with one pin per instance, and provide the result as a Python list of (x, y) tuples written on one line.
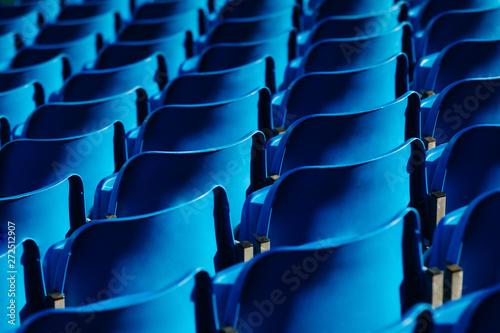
[(106, 25), (145, 252), (87, 9), (29, 165), (252, 29), (358, 52), (156, 180), (453, 26), (80, 52), (463, 104), (274, 291), (163, 9), (350, 8), (67, 119), (311, 202), (204, 126), (26, 22), (463, 60), (50, 74), (346, 138), (212, 87), (175, 48), (358, 26), (481, 315), (345, 91), (149, 74), (225, 56), (231, 9), (18, 103), (473, 244), (177, 307), (467, 167)]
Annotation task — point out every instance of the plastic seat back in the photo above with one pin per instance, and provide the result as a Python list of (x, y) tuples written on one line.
[(232, 9), (453, 26), (145, 252), (67, 119), (481, 315), (346, 138), (463, 104), (351, 8), (345, 91), (212, 87), (154, 180), (163, 9), (26, 22), (179, 306), (466, 169), (18, 103), (225, 56), (50, 74), (28, 165), (148, 74), (205, 126), (463, 60), (303, 205), (288, 289), (88, 9), (176, 49)]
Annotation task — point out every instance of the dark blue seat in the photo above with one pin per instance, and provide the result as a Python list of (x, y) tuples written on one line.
[(148, 74), (346, 138), (225, 56), (463, 60), (147, 251), (106, 25), (465, 170), (180, 305), (18, 103), (163, 9), (28, 165), (88, 9), (288, 289), (81, 52), (344, 91), (237, 9), (150, 29), (154, 180), (175, 48), (50, 74), (67, 119), (463, 104), (195, 127), (453, 26), (46, 215), (24, 21), (328, 8), (212, 87)]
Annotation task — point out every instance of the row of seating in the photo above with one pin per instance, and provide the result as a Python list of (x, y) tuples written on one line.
[(163, 143)]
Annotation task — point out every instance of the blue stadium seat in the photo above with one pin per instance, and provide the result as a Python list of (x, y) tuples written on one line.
[(288, 289), (378, 187), (45, 215), (28, 165), (453, 26), (89, 9), (463, 104), (347, 54), (353, 26), (346, 138), (330, 8), (212, 87), (154, 180), (150, 29), (8, 49), (106, 25), (344, 91), (175, 48), (81, 52), (145, 252), (18, 103), (225, 56), (24, 21), (232, 9), (50, 74), (463, 60), (465, 170), (162, 9), (149, 74), (179, 306), (195, 127), (68, 119)]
